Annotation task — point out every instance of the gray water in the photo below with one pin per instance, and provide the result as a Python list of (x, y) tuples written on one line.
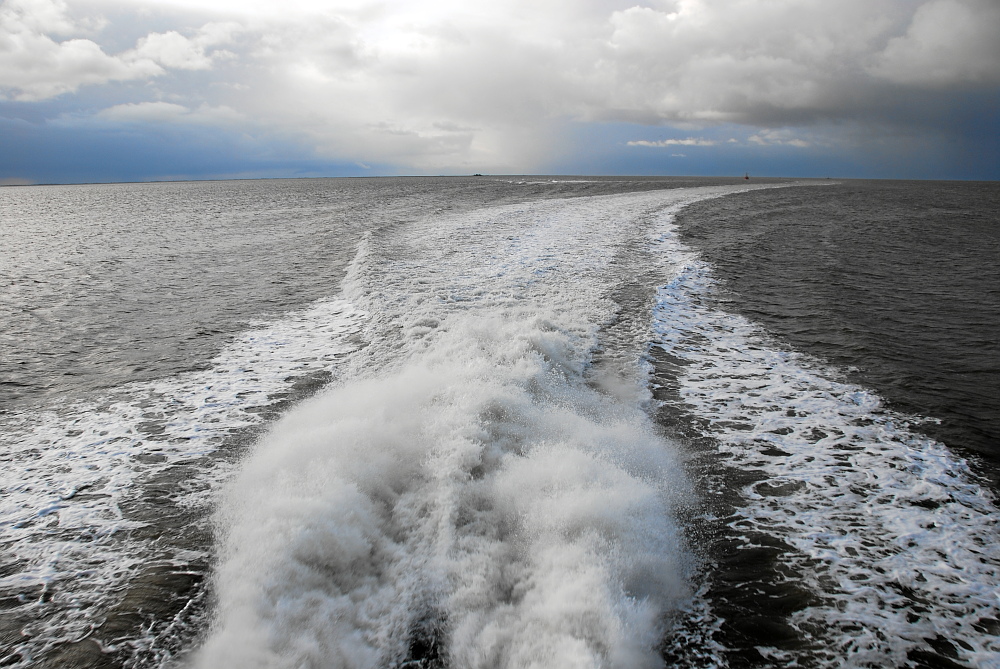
[(896, 283), (889, 286), (477, 422)]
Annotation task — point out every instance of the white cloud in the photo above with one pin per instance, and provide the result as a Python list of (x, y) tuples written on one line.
[(173, 50), (144, 112), (39, 16), (781, 137), (168, 112), (765, 137), (690, 141), (33, 66)]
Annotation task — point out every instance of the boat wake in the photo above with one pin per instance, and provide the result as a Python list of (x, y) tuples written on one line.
[(468, 490)]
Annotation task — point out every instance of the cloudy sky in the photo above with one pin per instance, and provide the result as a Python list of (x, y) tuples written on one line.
[(110, 90)]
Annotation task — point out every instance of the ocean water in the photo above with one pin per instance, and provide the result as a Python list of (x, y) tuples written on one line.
[(894, 283), (499, 422)]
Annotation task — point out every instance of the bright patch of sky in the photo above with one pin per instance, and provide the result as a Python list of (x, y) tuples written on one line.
[(892, 88)]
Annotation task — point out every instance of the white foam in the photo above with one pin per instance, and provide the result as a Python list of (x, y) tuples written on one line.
[(891, 528), (483, 486), (69, 471), (463, 480)]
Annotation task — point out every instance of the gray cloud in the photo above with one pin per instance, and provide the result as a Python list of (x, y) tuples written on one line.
[(443, 84), (948, 43), (771, 63)]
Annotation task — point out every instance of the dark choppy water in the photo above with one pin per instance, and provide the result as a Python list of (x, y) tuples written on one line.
[(830, 513), (548, 423), (895, 283)]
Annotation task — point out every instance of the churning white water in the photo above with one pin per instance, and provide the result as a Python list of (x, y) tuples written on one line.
[(465, 485)]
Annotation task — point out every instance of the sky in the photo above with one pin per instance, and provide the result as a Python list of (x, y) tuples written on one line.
[(123, 90)]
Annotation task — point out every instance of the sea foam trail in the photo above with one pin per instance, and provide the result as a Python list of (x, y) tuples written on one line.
[(464, 492), (73, 476), (890, 531), (483, 491)]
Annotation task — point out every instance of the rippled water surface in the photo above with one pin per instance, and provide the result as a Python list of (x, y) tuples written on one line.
[(499, 422), (896, 283)]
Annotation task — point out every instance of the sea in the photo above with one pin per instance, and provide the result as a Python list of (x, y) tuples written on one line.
[(500, 422)]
